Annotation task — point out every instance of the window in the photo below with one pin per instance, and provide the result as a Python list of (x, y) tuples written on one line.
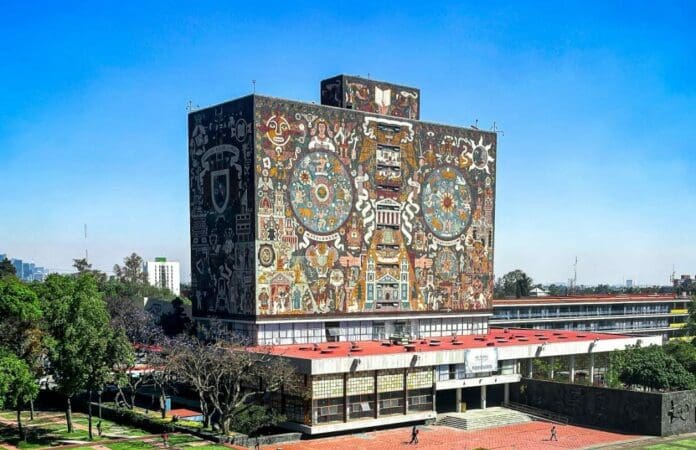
[(391, 403), (420, 400)]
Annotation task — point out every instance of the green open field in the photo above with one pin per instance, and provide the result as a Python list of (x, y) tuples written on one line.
[(48, 429), (673, 445)]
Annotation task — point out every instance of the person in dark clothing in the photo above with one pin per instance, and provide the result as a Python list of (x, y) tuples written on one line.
[(99, 428), (554, 437), (414, 435)]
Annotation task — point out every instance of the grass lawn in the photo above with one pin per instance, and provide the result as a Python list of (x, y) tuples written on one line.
[(673, 445), (48, 427)]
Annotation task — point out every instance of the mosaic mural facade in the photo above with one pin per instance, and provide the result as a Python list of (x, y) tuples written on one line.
[(300, 209), (221, 181), (371, 96), (365, 213)]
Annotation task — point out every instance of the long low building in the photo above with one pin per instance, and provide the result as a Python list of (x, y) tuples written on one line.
[(354, 385), (636, 315)]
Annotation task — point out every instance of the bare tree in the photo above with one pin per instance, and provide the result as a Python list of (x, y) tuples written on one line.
[(226, 374)]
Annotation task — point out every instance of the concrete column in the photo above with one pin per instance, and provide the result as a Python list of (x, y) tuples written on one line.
[(405, 391), (345, 397), (434, 388), (591, 368), (572, 368), (376, 397), (459, 399), (506, 393), (553, 369), (483, 397)]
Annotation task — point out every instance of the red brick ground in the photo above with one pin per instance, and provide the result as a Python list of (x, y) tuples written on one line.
[(531, 436)]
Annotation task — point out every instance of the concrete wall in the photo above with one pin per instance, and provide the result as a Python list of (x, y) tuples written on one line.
[(658, 414)]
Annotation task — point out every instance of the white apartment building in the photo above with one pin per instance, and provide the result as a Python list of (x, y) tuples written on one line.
[(164, 274)]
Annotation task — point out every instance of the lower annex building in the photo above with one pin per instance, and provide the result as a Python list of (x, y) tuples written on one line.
[(357, 241)]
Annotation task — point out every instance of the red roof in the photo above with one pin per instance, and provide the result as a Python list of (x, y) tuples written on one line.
[(184, 413), (496, 337)]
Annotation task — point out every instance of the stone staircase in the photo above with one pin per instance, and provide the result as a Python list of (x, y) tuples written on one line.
[(483, 418)]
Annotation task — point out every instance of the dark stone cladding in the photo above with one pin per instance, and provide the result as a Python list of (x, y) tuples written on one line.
[(652, 413)]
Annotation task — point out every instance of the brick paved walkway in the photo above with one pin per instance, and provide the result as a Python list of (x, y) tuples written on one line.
[(526, 436)]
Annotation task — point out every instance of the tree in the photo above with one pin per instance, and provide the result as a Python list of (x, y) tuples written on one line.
[(7, 269), (17, 385), (175, 321), (228, 377), (84, 347), (691, 321), (515, 283), (132, 270), (684, 353), (651, 368), (127, 314), (20, 311), (84, 267), (20, 331)]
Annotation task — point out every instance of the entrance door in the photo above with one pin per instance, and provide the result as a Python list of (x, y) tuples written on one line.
[(446, 401)]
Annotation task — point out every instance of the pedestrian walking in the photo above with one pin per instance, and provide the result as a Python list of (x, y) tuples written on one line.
[(554, 436), (99, 428), (414, 435), (165, 439)]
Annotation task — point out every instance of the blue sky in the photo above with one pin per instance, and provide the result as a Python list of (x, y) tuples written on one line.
[(597, 103)]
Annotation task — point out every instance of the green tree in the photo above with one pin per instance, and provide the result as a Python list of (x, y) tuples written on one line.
[(20, 311), (84, 348), (17, 386), (691, 321), (684, 353), (651, 368), (84, 267), (132, 270), (515, 283), (7, 269)]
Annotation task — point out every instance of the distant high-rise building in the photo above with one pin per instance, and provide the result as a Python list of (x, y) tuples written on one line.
[(19, 268), (40, 274), (3, 256), (28, 271), (629, 283), (164, 274)]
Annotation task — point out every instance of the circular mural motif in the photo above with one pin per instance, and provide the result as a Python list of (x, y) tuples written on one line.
[(446, 203), (446, 264), (266, 255), (320, 192)]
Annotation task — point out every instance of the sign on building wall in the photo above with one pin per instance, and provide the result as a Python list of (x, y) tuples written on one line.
[(481, 360)]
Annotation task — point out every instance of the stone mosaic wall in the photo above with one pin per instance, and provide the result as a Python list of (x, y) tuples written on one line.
[(366, 213), (221, 179)]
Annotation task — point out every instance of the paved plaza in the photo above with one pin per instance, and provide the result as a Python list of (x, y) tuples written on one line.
[(526, 436)]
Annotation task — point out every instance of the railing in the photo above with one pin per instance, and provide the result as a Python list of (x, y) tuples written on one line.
[(538, 413)]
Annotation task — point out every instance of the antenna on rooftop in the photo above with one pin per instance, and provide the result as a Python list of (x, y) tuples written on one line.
[(190, 108), (574, 281), (673, 276), (475, 125), (253, 82), (495, 129)]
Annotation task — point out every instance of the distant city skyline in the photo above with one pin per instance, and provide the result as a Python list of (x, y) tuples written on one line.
[(596, 104)]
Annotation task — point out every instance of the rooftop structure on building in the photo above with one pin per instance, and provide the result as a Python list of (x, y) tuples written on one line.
[(357, 242)]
